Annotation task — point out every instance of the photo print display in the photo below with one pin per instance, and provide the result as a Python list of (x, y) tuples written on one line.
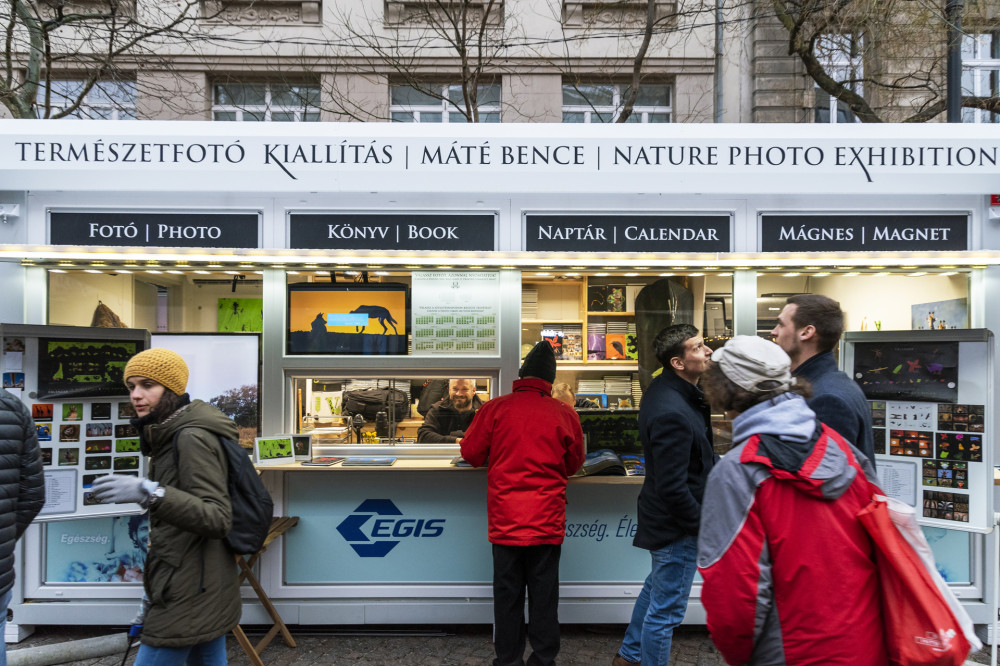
[(98, 446), (946, 474), (911, 443), (44, 432), (69, 457), (83, 368), (129, 445), (879, 437), (961, 418), (946, 506), (99, 429), (46, 456), (41, 411), (348, 318), (69, 432), (72, 411), (125, 430), (302, 445), (273, 450), (913, 371), (959, 446), (100, 411), (878, 413), (126, 411)]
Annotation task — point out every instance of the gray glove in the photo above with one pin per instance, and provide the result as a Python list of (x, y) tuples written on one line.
[(122, 489)]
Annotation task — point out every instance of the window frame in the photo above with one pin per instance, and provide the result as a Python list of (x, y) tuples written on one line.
[(977, 60), (115, 107), (445, 107), (615, 108), (268, 108), (848, 68)]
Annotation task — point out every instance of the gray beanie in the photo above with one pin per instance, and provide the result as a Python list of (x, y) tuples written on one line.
[(540, 362)]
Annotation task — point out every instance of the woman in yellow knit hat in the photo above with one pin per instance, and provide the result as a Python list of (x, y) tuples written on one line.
[(192, 597)]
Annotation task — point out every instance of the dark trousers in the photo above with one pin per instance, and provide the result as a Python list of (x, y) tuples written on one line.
[(537, 569)]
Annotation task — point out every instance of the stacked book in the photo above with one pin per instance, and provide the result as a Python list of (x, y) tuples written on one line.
[(616, 341), (636, 389), (529, 302), (619, 390)]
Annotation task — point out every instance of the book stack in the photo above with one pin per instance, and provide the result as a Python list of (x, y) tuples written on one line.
[(636, 389), (619, 390), (529, 302), (590, 386)]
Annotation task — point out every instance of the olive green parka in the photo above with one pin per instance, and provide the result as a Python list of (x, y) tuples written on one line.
[(191, 575)]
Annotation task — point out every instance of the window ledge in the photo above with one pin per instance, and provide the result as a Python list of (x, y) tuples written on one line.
[(419, 12), (591, 13), (262, 12)]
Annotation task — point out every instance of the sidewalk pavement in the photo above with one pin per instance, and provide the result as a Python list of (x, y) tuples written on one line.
[(463, 645)]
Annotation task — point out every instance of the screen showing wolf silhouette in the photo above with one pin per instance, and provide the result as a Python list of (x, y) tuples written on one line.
[(348, 318)]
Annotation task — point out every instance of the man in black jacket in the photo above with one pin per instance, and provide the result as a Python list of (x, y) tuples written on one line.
[(447, 421), (21, 485), (809, 327), (676, 432)]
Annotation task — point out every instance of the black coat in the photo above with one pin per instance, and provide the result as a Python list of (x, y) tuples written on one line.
[(839, 402), (22, 485), (676, 432)]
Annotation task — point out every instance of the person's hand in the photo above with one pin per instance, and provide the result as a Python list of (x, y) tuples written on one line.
[(122, 489)]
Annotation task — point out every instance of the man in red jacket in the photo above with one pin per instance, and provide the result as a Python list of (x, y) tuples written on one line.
[(533, 443)]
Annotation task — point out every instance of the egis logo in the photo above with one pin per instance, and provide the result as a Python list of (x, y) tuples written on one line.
[(374, 528)]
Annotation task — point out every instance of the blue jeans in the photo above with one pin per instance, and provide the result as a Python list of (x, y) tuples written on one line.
[(212, 653), (4, 603), (661, 605)]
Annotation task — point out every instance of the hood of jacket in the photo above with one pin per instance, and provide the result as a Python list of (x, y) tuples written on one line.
[(793, 445), (197, 414)]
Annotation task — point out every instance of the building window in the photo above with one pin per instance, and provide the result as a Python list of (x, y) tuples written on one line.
[(442, 104), (840, 56), (981, 73), (106, 100), (266, 102), (602, 103)]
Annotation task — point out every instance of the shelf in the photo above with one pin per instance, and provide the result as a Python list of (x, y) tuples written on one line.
[(551, 321), (617, 366), (610, 314)]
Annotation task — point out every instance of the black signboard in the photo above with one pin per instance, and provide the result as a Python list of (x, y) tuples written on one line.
[(357, 231), (155, 229), (627, 233), (863, 233)]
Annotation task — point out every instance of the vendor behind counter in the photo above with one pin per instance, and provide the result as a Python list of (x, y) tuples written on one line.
[(447, 420)]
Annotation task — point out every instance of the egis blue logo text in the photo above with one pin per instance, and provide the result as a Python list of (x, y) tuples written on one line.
[(377, 526)]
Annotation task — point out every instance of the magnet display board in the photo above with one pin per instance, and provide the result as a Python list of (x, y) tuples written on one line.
[(930, 395), (70, 379)]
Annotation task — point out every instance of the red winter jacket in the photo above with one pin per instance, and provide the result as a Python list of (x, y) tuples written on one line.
[(789, 572), (533, 442)]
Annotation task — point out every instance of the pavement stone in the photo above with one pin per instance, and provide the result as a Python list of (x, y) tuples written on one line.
[(462, 645)]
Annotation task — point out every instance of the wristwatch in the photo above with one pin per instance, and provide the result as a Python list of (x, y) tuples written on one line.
[(156, 495)]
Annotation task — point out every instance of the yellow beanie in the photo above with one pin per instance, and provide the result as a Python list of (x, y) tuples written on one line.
[(161, 365)]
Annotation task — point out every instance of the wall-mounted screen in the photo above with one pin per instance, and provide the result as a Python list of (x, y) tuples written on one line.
[(348, 318), (922, 371), (79, 368), (615, 429)]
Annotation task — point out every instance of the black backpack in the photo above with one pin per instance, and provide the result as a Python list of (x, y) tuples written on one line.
[(252, 507)]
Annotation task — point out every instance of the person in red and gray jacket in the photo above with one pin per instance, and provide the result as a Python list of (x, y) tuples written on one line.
[(789, 572), (532, 442)]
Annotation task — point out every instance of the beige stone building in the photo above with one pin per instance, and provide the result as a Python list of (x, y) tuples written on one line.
[(522, 60)]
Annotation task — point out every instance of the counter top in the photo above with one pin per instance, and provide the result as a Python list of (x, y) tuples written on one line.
[(430, 465)]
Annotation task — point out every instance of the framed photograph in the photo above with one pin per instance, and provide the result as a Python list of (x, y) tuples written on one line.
[(100, 411), (72, 411), (348, 318), (273, 450), (83, 368), (41, 411), (302, 446), (98, 430)]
